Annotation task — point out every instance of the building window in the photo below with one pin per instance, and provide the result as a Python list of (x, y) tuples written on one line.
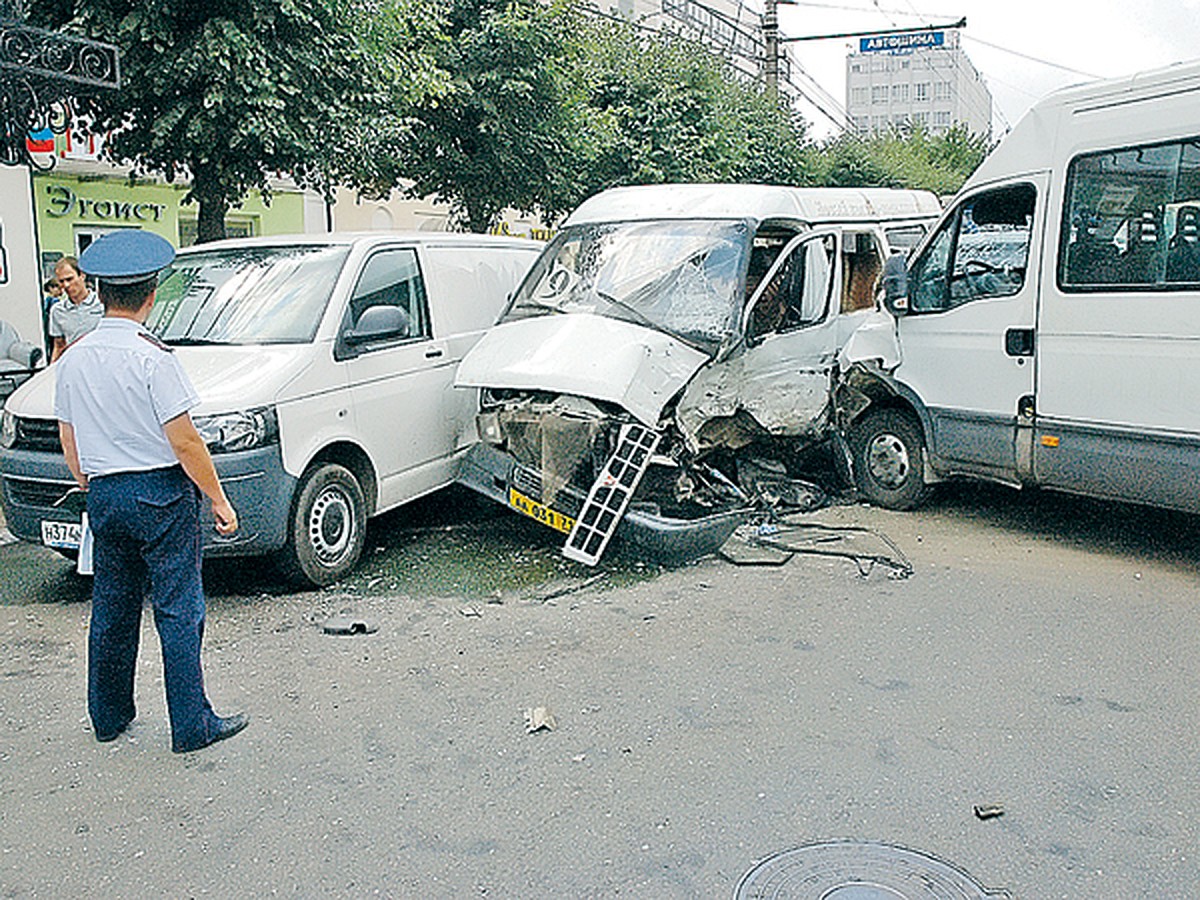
[(921, 92), (941, 119), (858, 96), (900, 93), (941, 90), (920, 118), (879, 93)]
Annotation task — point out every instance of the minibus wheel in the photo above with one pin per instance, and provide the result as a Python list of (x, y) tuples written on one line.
[(888, 450), (327, 527)]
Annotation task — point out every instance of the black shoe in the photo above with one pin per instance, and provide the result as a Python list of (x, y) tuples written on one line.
[(106, 736), (226, 728)]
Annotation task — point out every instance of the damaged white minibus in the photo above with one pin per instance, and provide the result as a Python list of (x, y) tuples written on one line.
[(1049, 325), (669, 341)]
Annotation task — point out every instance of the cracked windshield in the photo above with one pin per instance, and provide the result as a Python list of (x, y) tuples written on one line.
[(683, 278)]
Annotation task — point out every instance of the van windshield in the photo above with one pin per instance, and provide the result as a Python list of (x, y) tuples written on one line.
[(681, 277), (248, 295)]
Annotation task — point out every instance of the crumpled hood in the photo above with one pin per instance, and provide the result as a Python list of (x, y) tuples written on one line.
[(226, 378), (584, 355)]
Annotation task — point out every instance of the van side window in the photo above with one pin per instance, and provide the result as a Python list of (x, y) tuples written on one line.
[(862, 267), (981, 251), (1131, 219), (392, 278), (799, 291)]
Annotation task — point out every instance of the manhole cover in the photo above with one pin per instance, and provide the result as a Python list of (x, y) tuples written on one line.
[(848, 870)]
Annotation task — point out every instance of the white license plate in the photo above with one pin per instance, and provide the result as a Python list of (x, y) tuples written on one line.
[(62, 535)]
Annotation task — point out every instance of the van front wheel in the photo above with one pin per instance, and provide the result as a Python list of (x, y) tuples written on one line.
[(889, 459), (328, 526)]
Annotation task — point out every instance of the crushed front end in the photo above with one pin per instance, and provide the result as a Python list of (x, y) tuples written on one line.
[(544, 455)]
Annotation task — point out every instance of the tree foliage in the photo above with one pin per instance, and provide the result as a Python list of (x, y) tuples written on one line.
[(498, 136), (903, 159), (231, 92), (483, 104), (660, 109)]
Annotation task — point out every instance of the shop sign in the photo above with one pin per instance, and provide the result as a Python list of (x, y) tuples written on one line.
[(913, 40), (65, 202)]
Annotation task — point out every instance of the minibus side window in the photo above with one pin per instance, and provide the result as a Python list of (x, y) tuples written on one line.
[(980, 252), (1131, 220)]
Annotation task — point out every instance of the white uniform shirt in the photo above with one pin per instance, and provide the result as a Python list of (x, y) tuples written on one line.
[(117, 387), (70, 320)]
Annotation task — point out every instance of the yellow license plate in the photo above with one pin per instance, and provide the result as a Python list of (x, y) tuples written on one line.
[(540, 511)]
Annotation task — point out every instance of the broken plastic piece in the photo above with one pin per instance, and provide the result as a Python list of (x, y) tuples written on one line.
[(539, 718), (986, 811), (345, 623)]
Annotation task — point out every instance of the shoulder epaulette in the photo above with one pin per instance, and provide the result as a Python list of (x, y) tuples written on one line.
[(147, 336)]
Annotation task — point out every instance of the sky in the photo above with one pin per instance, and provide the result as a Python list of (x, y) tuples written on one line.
[(1092, 38)]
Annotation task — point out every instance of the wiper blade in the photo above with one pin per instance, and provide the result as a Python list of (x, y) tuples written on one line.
[(193, 342)]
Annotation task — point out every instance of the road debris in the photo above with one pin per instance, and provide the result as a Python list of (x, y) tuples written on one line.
[(561, 590), (774, 543), (539, 718), (349, 623), (985, 811)]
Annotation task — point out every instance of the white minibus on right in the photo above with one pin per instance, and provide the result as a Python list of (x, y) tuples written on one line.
[(1049, 324)]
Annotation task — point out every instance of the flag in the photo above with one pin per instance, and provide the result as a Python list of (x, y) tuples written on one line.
[(40, 141)]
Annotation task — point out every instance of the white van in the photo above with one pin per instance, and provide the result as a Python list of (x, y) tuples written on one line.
[(325, 368), (667, 336), (1049, 325)]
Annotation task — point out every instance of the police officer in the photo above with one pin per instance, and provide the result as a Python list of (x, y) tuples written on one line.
[(123, 404)]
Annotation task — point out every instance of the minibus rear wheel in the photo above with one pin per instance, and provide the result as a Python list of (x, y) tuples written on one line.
[(327, 527), (888, 450)]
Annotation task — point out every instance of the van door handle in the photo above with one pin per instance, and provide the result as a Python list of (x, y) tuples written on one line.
[(433, 354), (1018, 342)]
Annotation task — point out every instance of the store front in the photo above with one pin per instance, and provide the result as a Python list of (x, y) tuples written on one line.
[(73, 208)]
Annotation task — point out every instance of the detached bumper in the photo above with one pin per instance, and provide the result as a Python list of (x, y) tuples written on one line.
[(494, 474), (32, 482)]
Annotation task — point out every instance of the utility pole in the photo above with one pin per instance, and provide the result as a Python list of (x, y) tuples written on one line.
[(770, 29)]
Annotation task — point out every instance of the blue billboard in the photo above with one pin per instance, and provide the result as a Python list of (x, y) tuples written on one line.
[(913, 40)]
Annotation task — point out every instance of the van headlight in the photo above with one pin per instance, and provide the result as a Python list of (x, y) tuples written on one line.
[(243, 430), (8, 429)]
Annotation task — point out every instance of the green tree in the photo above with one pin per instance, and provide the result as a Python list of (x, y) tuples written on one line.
[(231, 92), (911, 158), (660, 108), (498, 136)]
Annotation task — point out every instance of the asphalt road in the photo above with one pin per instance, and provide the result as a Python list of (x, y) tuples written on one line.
[(1041, 657)]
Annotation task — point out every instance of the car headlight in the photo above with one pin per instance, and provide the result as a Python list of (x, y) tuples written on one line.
[(242, 430), (8, 429)]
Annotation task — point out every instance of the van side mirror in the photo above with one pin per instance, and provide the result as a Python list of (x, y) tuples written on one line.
[(377, 323), (895, 285)]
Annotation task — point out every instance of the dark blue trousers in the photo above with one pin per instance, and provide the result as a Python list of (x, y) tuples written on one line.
[(146, 538)]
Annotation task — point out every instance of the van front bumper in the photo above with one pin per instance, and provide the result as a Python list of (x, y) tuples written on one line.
[(32, 482), (496, 474)]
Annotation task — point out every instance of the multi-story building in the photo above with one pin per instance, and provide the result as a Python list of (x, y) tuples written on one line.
[(731, 28), (923, 78)]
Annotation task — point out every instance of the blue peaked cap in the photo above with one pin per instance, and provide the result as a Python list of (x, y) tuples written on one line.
[(127, 256)]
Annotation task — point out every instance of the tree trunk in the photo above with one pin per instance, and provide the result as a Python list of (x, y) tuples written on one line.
[(213, 201), (210, 223)]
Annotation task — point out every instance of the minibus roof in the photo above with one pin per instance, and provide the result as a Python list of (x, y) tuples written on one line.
[(758, 202), (1031, 145)]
